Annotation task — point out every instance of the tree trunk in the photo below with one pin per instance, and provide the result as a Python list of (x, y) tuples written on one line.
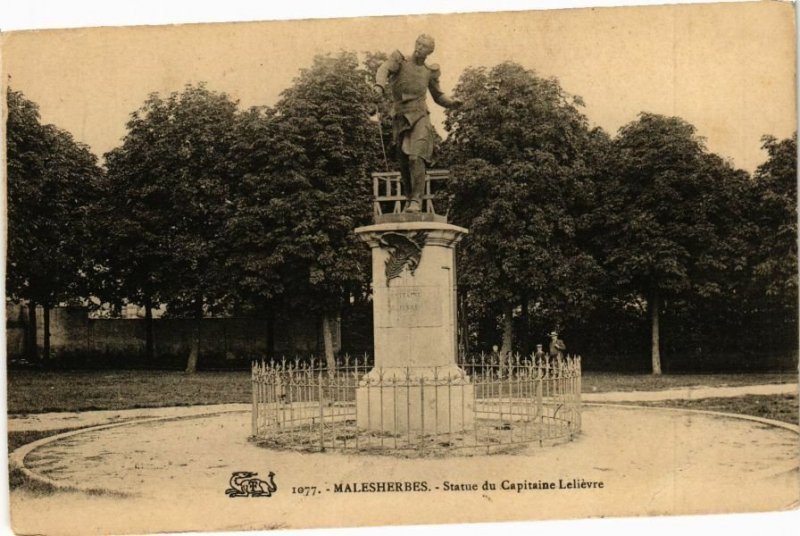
[(148, 330), (194, 351), (524, 337), (291, 348), (33, 344), (327, 340), (271, 333), (46, 342), (508, 332), (655, 305)]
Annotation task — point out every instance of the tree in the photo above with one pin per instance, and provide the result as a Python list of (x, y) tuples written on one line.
[(668, 216), (326, 112), (521, 163), (269, 201), (774, 251), (26, 148), (53, 183), (776, 183), (170, 183)]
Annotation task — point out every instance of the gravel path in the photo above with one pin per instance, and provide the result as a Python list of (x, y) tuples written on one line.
[(651, 461), (67, 420)]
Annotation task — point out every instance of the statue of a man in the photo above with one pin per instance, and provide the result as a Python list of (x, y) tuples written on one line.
[(409, 80)]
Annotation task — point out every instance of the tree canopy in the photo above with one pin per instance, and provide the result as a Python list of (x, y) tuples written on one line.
[(633, 246), (667, 217), (53, 181), (170, 184), (221, 209), (327, 110), (520, 151), (776, 185), (53, 184)]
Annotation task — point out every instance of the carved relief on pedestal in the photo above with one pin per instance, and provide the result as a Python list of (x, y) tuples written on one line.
[(405, 251)]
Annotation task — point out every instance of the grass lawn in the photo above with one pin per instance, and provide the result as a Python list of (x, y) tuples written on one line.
[(43, 391), (778, 407), (604, 382), (39, 392)]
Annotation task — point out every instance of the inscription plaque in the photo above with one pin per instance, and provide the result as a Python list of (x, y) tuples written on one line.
[(413, 307)]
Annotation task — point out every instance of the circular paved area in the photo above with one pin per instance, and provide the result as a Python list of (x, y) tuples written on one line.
[(651, 461)]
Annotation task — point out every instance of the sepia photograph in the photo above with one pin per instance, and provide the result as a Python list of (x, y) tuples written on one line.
[(401, 268)]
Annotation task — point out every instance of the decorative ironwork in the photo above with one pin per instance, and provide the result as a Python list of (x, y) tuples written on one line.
[(514, 402), (405, 250)]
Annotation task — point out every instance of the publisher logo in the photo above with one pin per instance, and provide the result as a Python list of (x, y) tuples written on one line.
[(245, 484)]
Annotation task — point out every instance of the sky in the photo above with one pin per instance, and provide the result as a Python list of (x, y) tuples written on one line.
[(728, 68)]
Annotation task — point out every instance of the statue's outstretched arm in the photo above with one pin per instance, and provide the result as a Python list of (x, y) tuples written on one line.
[(388, 68), (436, 91)]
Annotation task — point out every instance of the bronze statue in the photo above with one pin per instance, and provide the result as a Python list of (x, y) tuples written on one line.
[(409, 80)]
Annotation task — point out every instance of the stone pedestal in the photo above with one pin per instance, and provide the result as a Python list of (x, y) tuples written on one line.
[(416, 383), (428, 408)]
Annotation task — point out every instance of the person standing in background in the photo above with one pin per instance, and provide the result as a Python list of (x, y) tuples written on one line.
[(557, 346)]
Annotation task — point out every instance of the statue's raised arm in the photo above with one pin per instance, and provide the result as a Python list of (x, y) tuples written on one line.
[(408, 81)]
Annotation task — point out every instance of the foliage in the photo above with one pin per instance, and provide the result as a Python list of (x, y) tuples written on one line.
[(259, 231), (327, 111), (677, 229), (521, 155), (210, 209), (169, 195), (220, 210), (770, 299), (303, 187), (53, 183), (652, 210), (665, 217), (776, 254)]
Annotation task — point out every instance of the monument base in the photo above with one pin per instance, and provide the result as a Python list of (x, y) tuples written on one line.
[(427, 408)]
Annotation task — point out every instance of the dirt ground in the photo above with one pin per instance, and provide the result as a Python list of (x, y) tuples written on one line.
[(174, 475)]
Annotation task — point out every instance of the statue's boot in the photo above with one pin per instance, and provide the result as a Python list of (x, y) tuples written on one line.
[(413, 206)]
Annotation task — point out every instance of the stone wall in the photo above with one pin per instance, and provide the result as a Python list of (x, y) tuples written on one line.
[(73, 332), (15, 330)]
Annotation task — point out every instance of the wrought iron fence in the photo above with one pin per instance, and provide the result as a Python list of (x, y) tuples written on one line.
[(485, 405)]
